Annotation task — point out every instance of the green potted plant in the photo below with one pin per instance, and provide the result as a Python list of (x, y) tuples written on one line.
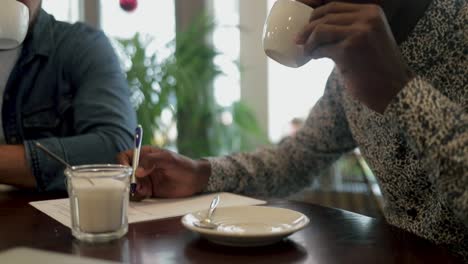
[(181, 85)]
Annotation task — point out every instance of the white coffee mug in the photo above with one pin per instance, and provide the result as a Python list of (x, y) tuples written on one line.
[(285, 20), (14, 23)]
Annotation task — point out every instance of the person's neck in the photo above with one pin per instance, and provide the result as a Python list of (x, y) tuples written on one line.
[(406, 16)]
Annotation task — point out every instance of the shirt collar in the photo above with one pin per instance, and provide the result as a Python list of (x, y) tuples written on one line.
[(40, 39)]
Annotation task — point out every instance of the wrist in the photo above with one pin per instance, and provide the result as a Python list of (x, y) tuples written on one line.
[(203, 173), (389, 92), (397, 86)]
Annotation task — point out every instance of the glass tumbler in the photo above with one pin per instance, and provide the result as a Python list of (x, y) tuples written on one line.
[(98, 201)]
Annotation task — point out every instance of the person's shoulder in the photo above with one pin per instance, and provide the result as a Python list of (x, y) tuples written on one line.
[(75, 34), (79, 44)]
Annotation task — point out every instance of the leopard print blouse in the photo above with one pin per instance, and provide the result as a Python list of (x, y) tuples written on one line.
[(418, 149)]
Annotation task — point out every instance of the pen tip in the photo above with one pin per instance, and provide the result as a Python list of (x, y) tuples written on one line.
[(132, 188)]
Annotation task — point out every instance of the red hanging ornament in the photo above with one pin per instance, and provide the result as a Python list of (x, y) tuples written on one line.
[(128, 5)]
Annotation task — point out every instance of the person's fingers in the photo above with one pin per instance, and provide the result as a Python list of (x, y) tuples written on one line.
[(165, 186), (125, 157), (327, 51), (171, 191), (312, 3), (334, 7), (143, 190), (164, 193), (148, 149), (149, 159), (325, 35), (149, 162), (145, 186), (159, 158), (141, 172), (137, 197), (330, 19)]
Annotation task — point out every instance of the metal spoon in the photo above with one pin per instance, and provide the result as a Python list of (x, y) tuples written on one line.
[(207, 222), (57, 158)]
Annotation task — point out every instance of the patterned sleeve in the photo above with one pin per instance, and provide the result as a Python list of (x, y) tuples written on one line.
[(283, 169), (436, 129)]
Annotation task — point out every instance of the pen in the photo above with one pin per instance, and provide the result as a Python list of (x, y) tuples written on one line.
[(136, 158)]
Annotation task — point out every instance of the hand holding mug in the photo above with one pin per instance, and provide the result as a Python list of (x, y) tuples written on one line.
[(359, 40)]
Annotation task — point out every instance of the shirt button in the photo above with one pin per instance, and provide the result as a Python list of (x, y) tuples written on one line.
[(13, 140)]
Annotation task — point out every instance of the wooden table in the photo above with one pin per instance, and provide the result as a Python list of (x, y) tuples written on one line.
[(333, 236)]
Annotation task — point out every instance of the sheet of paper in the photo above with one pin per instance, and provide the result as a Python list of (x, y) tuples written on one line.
[(23, 255), (151, 209)]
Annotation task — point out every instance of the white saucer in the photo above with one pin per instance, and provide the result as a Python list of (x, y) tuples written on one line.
[(245, 226)]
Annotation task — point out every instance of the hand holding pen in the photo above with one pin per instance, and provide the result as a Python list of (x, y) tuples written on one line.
[(136, 158)]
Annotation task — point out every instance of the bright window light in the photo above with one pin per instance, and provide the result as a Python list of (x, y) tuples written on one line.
[(153, 18), (226, 39), (293, 92), (63, 10)]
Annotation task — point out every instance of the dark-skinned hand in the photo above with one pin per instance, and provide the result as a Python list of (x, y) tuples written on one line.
[(163, 173), (358, 38)]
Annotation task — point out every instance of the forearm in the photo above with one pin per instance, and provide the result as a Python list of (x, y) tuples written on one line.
[(265, 172), (436, 129), (96, 147), (14, 168), (277, 171), (289, 166)]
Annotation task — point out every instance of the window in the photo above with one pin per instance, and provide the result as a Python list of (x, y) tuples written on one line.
[(151, 18), (285, 101), (63, 10), (154, 20), (293, 92), (226, 39)]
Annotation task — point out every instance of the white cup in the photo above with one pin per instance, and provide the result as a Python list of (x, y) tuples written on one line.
[(285, 20), (14, 23)]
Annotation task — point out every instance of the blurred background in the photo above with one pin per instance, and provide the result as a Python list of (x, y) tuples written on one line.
[(202, 85)]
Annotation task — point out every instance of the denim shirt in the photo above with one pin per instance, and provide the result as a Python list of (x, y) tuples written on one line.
[(67, 92)]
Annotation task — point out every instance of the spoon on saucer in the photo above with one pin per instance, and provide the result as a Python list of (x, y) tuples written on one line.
[(207, 222)]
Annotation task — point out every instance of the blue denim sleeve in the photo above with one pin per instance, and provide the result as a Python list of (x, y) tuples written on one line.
[(104, 119)]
